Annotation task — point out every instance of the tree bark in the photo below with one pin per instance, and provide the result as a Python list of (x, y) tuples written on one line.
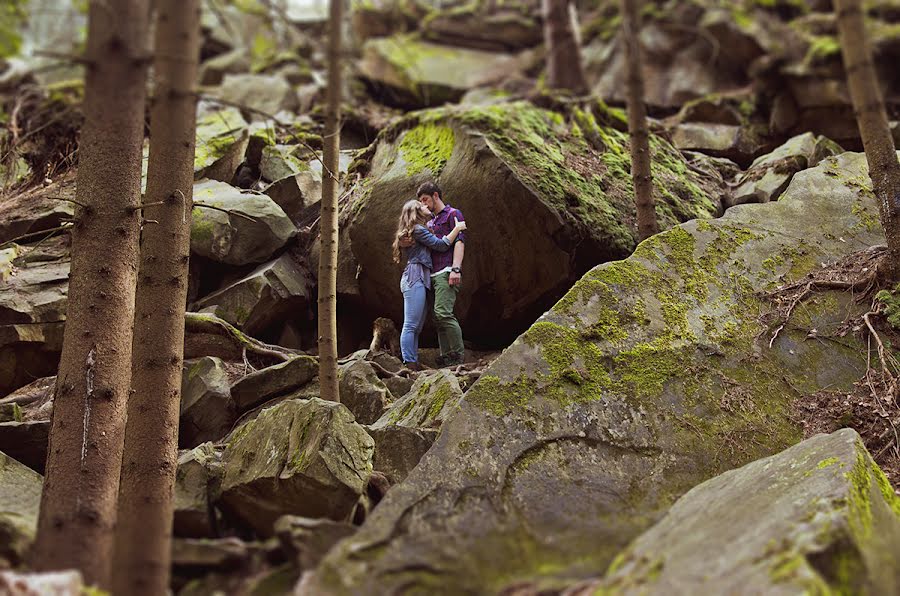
[(328, 223), (871, 118), (78, 504), (564, 69), (637, 122), (144, 532)]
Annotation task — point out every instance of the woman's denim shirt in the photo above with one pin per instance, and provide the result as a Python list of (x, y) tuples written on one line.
[(420, 252)]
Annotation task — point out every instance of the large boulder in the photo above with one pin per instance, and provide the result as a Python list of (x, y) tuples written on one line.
[(413, 73), (274, 381), (221, 140), (207, 410), (20, 497), (197, 485), (240, 228), (258, 94), (300, 457), (431, 400), (820, 516), (398, 449), (470, 26), (260, 302), (362, 391), (650, 376), (546, 197)]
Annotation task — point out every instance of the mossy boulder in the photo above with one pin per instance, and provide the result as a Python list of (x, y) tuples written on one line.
[(413, 73), (652, 375), (207, 410), (300, 457), (546, 196), (510, 28), (820, 517), (431, 400), (197, 485), (242, 228), (20, 497), (398, 449), (221, 140), (265, 298)]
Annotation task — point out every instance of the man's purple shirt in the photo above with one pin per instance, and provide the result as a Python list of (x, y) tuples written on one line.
[(441, 225)]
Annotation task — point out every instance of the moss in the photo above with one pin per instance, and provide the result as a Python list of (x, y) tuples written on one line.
[(866, 219), (860, 498), (827, 462), (438, 399), (887, 491), (427, 147), (822, 47), (890, 299), (492, 394), (12, 18), (202, 228)]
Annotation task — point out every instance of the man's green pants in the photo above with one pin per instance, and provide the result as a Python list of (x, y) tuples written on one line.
[(449, 333)]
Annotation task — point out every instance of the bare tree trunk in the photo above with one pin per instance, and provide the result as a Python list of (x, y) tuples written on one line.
[(564, 69), (328, 226), (144, 533), (78, 505), (637, 121), (881, 155)]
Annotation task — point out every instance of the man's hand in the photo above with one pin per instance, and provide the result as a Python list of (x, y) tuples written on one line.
[(405, 241), (455, 279)]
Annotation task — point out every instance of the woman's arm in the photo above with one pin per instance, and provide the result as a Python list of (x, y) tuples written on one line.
[(424, 236), (458, 226)]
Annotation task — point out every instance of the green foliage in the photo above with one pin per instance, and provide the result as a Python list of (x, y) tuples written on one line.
[(12, 18)]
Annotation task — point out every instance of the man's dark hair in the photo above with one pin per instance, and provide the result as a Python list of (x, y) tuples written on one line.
[(428, 188)]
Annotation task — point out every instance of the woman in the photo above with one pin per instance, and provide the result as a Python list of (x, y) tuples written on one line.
[(416, 279)]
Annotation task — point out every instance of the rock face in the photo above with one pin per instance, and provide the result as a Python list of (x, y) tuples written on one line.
[(495, 164), (820, 516), (263, 299), (414, 73), (250, 230), (20, 497), (646, 379), (300, 457)]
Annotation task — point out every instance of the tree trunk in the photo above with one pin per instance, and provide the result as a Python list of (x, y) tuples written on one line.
[(78, 504), (884, 169), (144, 532), (564, 70), (637, 122), (328, 226)]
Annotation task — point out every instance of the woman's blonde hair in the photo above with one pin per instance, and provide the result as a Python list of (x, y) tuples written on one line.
[(412, 214)]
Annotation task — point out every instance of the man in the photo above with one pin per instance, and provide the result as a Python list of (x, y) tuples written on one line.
[(446, 274)]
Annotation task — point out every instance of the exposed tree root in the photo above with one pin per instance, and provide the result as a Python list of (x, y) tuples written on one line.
[(195, 322)]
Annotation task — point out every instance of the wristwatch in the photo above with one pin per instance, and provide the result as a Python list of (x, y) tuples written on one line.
[(456, 270)]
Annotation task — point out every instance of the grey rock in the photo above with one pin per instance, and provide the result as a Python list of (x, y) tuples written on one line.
[(20, 497), (197, 482), (262, 300), (398, 449), (221, 140), (300, 457), (207, 410), (273, 381), (250, 230), (431, 400), (308, 540), (819, 514), (362, 391)]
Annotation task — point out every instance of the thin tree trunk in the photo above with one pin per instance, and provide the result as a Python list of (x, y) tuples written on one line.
[(328, 226), (637, 122), (144, 533), (564, 69), (884, 168), (78, 504)]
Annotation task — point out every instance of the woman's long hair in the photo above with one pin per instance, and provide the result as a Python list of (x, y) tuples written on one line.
[(412, 214)]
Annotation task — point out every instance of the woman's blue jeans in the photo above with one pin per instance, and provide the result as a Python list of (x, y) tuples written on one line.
[(414, 308)]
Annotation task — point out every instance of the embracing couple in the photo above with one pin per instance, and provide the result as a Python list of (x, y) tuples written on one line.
[(430, 238)]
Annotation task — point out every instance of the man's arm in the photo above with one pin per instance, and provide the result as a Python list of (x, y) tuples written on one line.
[(459, 251)]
